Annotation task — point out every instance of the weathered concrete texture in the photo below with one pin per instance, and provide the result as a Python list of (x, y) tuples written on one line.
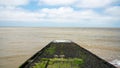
[(70, 50)]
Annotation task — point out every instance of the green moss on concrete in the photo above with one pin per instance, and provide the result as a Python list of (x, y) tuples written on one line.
[(50, 50), (59, 63)]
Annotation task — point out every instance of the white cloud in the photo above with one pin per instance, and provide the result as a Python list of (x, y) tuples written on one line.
[(114, 11), (69, 13), (61, 12), (10, 11), (13, 2), (57, 15), (80, 3), (57, 2), (58, 10), (18, 14), (93, 3)]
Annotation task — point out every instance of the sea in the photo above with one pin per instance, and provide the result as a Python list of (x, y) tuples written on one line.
[(17, 44)]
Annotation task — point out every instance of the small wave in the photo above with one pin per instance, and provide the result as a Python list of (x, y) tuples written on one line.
[(116, 62)]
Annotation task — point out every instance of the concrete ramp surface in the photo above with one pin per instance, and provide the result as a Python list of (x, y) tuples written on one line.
[(65, 54)]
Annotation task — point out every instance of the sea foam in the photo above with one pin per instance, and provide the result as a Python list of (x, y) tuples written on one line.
[(115, 62)]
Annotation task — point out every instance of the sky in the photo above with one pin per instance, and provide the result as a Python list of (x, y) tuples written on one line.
[(60, 13)]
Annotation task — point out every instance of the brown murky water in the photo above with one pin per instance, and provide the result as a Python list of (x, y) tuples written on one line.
[(18, 44)]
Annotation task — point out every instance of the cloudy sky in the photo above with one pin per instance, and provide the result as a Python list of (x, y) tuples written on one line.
[(60, 13)]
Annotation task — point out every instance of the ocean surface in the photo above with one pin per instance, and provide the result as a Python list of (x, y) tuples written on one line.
[(17, 44)]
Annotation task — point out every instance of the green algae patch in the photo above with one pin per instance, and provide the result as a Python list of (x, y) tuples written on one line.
[(50, 50), (59, 63), (40, 64)]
